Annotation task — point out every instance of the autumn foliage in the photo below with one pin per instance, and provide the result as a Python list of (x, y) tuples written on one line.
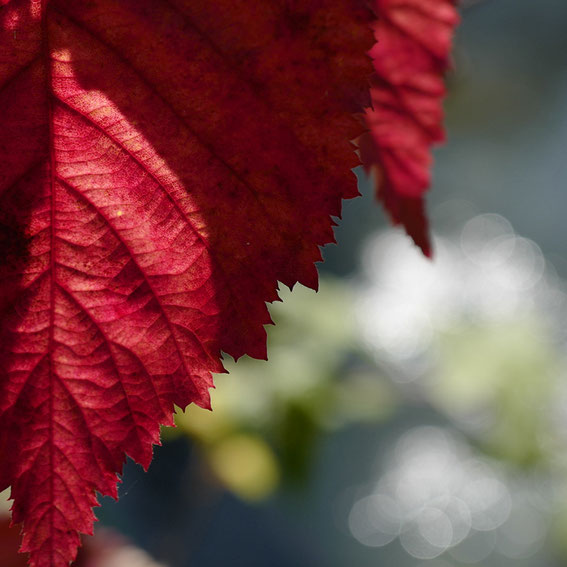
[(163, 165), (410, 58)]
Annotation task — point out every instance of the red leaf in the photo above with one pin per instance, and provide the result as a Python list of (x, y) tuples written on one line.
[(163, 163), (9, 544), (410, 57)]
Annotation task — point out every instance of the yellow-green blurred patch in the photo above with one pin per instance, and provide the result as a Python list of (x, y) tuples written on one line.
[(504, 374), (246, 465)]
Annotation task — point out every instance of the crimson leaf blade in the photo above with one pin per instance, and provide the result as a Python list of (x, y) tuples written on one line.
[(163, 164), (410, 57)]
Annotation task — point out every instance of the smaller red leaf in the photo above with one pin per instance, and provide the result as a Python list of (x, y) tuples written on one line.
[(410, 58)]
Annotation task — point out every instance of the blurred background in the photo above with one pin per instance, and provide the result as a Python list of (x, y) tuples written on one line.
[(412, 412)]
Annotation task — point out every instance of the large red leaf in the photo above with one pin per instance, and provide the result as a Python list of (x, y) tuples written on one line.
[(163, 163), (410, 58)]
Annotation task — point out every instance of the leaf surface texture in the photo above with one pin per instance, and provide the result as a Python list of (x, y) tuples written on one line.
[(163, 164)]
